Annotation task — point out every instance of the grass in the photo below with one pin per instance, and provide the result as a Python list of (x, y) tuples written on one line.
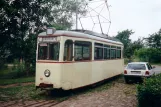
[(18, 80), (19, 92), (29, 92), (5, 71)]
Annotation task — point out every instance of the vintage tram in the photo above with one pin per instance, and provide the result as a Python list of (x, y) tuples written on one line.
[(73, 59)]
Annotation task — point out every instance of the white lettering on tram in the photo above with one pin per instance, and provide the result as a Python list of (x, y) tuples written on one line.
[(48, 39)]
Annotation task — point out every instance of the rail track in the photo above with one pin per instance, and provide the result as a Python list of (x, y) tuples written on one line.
[(42, 103)]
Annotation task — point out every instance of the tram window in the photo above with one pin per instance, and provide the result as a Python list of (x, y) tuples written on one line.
[(48, 51), (106, 52), (53, 51), (118, 52), (68, 50), (98, 53), (42, 51), (113, 53), (82, 50)]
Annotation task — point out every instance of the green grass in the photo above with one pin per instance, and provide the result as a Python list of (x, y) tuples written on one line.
[(18, 80), (5, 71), (29, 92), (19, 92)]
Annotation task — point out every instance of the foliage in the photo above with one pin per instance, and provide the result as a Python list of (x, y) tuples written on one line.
[(17, 71), (129, 46), (22, 20), (149, 93), (154, 40), (16, 81), (63, 13), (149, 54)]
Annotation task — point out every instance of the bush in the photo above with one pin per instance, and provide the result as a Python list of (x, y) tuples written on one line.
[(18, 70), (152, 55), (149, 93)]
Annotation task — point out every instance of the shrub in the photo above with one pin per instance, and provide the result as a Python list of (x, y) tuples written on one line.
[(149, 54), (149, 93), (18, 70)]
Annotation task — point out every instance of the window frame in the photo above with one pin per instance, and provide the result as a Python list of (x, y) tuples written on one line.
[(118, 48), (68, 57), (98, 47), (82, 45), (107, 48), (48, 50), (113, 52)]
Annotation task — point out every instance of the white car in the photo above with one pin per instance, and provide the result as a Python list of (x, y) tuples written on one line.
[(138, 70)]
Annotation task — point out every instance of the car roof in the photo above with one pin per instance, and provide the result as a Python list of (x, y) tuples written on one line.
[(138, 63)]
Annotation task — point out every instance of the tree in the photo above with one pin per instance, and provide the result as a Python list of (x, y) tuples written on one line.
[(63, 13), (154, 40), (22, 20), (124, 37)]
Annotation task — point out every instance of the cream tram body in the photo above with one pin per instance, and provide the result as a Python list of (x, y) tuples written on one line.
[(68, 60)]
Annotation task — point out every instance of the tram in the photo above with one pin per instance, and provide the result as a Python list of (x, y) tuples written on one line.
[(73, 59)]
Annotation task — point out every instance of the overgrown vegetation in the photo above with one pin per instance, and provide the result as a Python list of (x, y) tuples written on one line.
[(16, 81), (149, 93), (16, 71), (29, 92)]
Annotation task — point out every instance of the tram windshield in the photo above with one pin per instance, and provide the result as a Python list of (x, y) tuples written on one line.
[(48, 51)]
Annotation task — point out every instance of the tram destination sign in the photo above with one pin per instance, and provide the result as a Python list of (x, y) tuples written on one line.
[(49, 39)]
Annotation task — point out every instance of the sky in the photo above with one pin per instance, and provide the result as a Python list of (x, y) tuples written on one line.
[(141, 16)]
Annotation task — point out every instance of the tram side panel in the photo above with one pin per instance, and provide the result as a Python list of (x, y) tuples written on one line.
[(108, 69), (76, 75), (113, 68), (97, 71)]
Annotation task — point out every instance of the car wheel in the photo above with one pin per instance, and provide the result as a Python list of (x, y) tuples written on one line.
[(126, 80)]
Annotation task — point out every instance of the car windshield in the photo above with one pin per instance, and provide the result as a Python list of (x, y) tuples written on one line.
[(136, 66)]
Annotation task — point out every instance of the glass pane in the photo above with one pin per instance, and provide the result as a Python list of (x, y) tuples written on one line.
[(118, 53), (42, 51), (54, 51), (105, 53), (113, 54), (68, 50), (86, 53), (108, 53), (136, 66), (98, 53), (82, 50), (78, 52)]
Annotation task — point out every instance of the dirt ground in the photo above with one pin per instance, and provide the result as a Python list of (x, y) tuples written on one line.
[(118, 95)]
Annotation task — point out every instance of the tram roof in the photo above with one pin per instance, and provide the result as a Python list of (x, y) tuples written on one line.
[(84, 34)]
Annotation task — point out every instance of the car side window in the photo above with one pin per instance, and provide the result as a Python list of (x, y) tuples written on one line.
[(149, 68)]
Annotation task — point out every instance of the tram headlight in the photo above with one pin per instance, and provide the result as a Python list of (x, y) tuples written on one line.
[(47, 73)]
